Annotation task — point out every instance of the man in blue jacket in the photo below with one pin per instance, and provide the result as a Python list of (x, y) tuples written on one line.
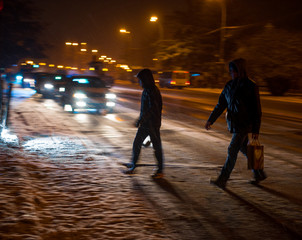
[(149, 122), (240, 97)]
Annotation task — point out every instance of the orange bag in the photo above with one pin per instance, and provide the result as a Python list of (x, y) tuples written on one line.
[(255, 155)]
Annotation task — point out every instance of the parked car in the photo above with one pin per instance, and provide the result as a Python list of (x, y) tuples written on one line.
[(173, 79), (88, 93), (50, 85)]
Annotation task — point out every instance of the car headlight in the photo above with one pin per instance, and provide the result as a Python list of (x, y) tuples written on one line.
[(48, 86), (80, 95), (110, 96), (81, 104), (110, 104)]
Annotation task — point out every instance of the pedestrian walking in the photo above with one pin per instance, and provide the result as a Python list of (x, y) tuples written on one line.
[(149, 122), (240, 97)]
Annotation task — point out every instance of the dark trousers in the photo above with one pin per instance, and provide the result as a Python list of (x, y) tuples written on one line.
[(141, 135), (238, 143)]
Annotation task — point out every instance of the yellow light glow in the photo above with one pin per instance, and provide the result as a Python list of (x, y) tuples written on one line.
[(68, 67), (94, 51), (105, 70), (29, 62), (51, 65), (68, 43), (75, 44), (129, 70), (123, 30), (60, 66), (74, 68), (42, 64), (83, 43), (155, 59), (108, 58), (23, 64), (83, 50), (91, 69), (153, 19), (113, 61), (103, 56)]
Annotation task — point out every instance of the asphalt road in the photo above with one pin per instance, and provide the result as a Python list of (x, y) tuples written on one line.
[(188, 206)]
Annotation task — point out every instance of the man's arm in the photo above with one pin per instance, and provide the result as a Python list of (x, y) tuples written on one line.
[(218, 110)]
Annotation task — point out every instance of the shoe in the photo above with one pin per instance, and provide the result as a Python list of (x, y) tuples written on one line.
[(259, 175), (219, 183), (157, 175), (128, 165), (130, 171)]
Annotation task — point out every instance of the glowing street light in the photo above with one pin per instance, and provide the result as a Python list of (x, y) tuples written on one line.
[(160, 27), (153, 19), (123, 30)]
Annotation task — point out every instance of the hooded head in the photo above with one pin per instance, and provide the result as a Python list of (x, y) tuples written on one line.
[(146, 78), (239, 66)]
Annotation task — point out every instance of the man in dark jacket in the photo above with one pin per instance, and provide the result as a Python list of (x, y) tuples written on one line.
[(240, 97), (149, 122)]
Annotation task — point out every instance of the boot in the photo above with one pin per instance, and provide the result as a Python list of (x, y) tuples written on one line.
[(259, 175), (219, 182)]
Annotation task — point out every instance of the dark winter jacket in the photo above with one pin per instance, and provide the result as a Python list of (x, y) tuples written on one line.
[(241, 99), (151, 101)]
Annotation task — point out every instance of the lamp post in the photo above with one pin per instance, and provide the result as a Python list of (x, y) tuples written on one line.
[(160, 27), (161, 38), (222, 31), (128, 47), (73, 46)]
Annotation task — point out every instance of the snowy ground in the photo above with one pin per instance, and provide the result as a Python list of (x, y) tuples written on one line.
[(65, 182)]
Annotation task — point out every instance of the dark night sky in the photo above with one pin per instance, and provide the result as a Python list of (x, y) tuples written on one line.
[(97, 22)]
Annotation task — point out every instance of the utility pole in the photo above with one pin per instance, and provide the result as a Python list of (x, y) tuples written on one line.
[(222, 31)]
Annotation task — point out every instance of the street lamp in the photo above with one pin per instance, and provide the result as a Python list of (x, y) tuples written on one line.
[(128, 47), (71, 53), (222, 32), (161, 37), (160, 27), (123, 30), (153, 19)]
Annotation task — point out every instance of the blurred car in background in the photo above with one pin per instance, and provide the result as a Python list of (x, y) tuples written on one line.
[(50, 85), (174, 79), (28, 80), (87, 93)]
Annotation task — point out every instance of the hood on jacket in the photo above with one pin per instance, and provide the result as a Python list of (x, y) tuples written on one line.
[(146, 78), (239, 65)]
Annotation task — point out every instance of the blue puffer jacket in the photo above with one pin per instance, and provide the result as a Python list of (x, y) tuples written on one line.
[(241, 99)]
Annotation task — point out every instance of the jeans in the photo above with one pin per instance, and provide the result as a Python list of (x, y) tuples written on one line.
[(238, 143), (141, 135)]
